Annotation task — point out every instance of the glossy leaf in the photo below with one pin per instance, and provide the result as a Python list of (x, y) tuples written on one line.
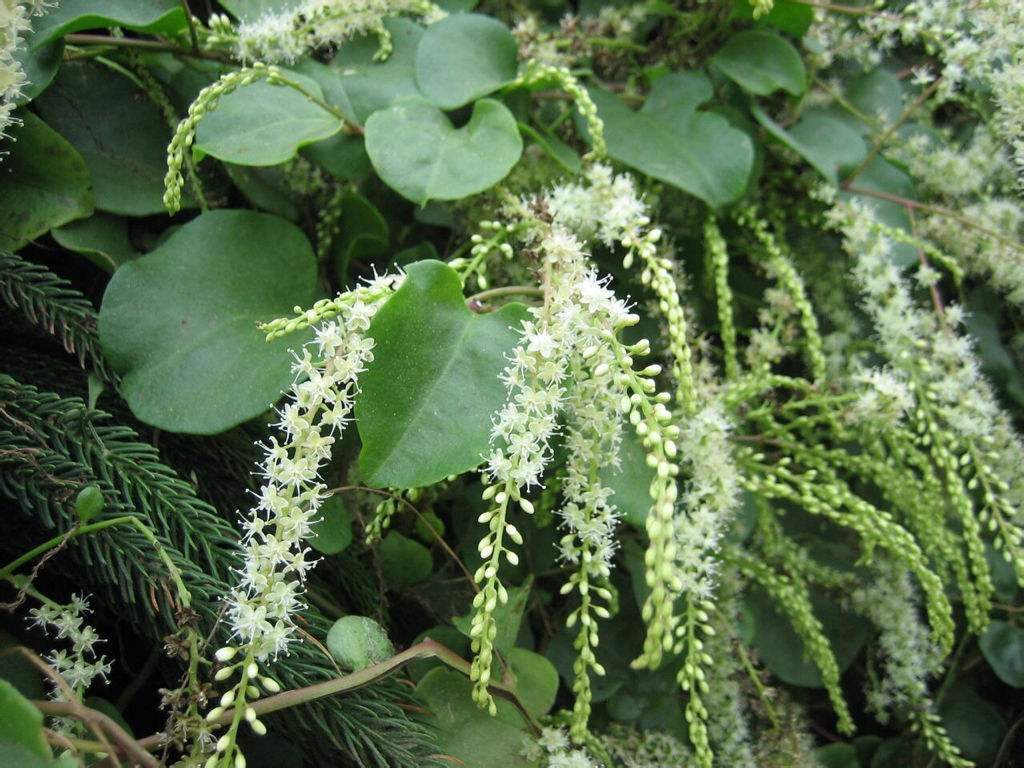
[(417, 151), (102, 238), (468, 735), (829, 144), (878, 95), (363, 234), (428, 346), (154, 16), (356, 642), (536, 680), (507, 617), (332, 533), (365, 85), (93, 107), (43, 183), (630, 481), (180, 323), (89, 503), (973, 724), (1003, 648), (263, 124), (790, 16), (21, 724), (403, 561), (668, 139), (781, 648), (762, 62), (463, 57)]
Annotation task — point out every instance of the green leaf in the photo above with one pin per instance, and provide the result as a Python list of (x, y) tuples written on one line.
[(630, 481), (265, 188), (447, 636), (363, 236), (180, 323), (153, 16), (120, 133), (89, 503), (357, 642), (882, 176), (367, 85), (21, 724), (536, 680), (973, 724), (467, 733), (263, 124), (428, 345), (762, 62), (403, 561), (554, 148), (342, 155), (790, 16), (102, 238), (43, 183), (507, 617), (837, 756), (333, 533), (463, 57), (1003, 648), (669, 140), (40, 65), (781, 648), (429, 527), (829, 144), (878, 94), (417, 151)]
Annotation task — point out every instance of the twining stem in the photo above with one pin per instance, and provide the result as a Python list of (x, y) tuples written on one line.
[(82, 38), (887, 134), (938, 210), (427, 649), (508, 290)]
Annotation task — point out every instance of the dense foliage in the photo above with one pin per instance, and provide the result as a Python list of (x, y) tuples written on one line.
[(392, 383)]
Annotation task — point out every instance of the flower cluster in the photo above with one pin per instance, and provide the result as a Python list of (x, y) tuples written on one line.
[(80, 666), (554, 750), (15, 16), (564, 335), (910, 660), (262, 607), (309, 25)]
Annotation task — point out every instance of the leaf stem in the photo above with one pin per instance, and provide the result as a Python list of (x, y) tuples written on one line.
[(82, 38), (427, 649)]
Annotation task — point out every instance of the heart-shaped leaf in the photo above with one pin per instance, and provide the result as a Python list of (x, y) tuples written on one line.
[(43, 183), (333, 532), (102, 238), (403, 562), (364, 84), (417, 151), (762, 62), (428, 346), (790, 16), (668, 139), (21, 724), (179, 324), (536, 680), (263, 124), (356, 642), (120, 133), (827, 143), (154, 16), (463, 57), (1003, 648)]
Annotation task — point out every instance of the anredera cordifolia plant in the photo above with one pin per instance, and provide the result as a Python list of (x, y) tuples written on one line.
[(647, 375)]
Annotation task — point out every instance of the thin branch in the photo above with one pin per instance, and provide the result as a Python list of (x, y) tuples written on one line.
[(888, 133), (849, 10), (437, 537), (99, 722), (427, 649), (938, 210), (508, 290), (191, 26), (82, 38)]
